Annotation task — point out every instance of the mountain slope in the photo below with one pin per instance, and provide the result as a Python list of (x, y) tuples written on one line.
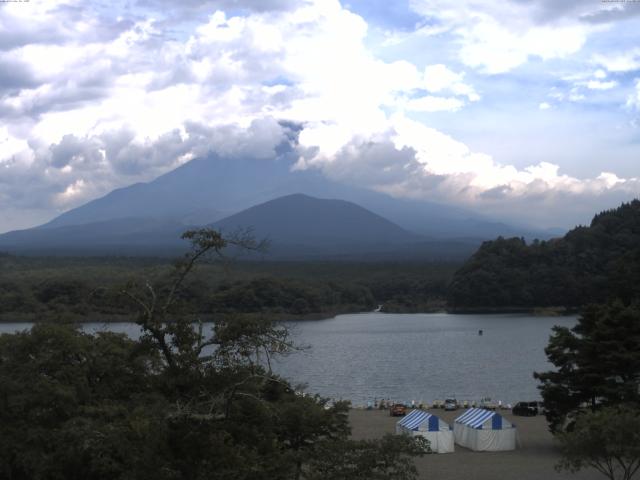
[(301, 219), (589, 264)]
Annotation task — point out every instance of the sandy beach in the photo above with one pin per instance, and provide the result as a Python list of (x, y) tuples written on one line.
[(533, 460)]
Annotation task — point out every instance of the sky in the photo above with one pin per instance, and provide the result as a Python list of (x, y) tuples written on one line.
[(524, 110)]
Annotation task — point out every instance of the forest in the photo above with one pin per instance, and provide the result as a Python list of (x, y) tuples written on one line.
[(590, 264), (77, 289)]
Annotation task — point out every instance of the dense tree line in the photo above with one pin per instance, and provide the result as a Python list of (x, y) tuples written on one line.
[(589, 264), (37, 289)]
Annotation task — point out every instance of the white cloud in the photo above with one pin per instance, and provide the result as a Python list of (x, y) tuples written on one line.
[(598, 85), (439, 78), (496, 37), (95, 112), (430, 103), (619, 62), (432, 165), (633, 100), (600, 74), (544, 106)]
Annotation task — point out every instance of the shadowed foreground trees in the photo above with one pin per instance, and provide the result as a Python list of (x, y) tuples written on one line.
[(179, 403), (592, 399), (597, 363), (607, 440)]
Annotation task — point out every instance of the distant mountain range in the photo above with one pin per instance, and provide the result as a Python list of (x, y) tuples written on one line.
[(227, 193)]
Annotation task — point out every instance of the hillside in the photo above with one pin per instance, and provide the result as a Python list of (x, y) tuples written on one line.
[(588, 265), (304, 220)]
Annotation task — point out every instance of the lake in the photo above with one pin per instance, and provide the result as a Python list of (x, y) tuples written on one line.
[(404, 357), (407, 357)]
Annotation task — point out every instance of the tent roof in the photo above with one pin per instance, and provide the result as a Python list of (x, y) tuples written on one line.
[(475, 417), (418, 417)]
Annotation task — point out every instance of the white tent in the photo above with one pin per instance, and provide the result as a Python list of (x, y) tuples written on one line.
[(424, 424), (484, 430)]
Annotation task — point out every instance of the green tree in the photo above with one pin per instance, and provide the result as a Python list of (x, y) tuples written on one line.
[(607, 440), (179, 403), (390, 457), (597, 363)]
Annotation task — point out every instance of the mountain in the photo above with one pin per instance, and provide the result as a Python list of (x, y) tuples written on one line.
[(304, 220), (126, 236), (301, 227), (208, 189), (148, 217), (297, 226), (590, 264)]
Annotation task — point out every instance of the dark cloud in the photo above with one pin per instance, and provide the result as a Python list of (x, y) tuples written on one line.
[(15, 75), (497, 193), (194, 6), (549, 11), (75, 152), (625, 11), (15, 35), (60, 26), (94, 165)]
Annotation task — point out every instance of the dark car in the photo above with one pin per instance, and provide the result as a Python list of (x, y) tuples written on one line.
[(398, 410), (525, 409)]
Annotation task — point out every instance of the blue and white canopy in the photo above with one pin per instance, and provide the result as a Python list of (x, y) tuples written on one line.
[(479, 418), (418, 418), (423, 424), (484, 431)]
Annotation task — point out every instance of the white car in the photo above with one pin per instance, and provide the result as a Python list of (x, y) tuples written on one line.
[(450, 404)]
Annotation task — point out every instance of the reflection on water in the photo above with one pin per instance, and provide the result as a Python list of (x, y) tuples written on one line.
[(407, 357)]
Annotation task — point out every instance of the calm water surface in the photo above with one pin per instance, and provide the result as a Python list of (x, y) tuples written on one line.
[(404, 357), (407, 357)]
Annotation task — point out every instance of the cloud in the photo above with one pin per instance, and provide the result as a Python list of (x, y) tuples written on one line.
[(101, 98), (599, 85), (209, 5), (65, 174), (544, 106), (438, 78), (616, 12), (619, 62), (633, 100), (496, 37), (409, 159), (430, 103)]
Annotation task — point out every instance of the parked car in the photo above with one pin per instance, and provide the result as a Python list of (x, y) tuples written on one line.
[(525, 409), (450, 404), (488, 404), (398, 410)]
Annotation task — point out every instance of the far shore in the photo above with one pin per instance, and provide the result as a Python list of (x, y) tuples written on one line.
[(21, 317)]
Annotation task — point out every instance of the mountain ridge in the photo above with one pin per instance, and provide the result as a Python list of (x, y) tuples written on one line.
[(208, 189), (211, 189)]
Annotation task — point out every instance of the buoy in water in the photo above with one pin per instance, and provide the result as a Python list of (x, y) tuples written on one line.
[(480, 332)]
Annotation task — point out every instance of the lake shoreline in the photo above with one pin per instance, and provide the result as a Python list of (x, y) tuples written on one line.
[(21, 317)]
